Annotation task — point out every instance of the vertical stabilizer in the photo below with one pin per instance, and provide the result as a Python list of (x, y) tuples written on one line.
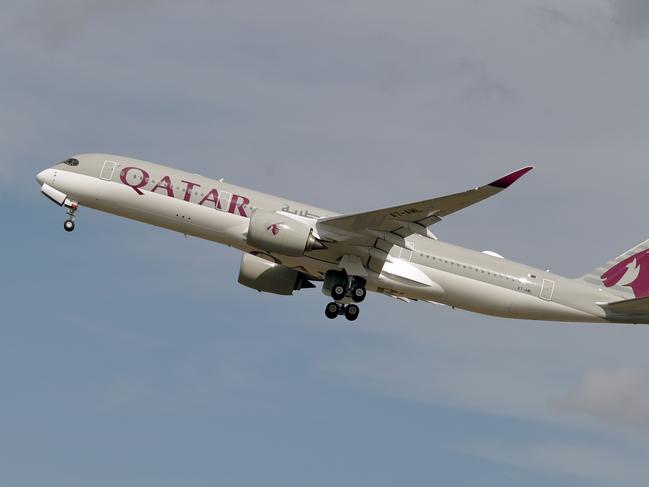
[(627, 275)]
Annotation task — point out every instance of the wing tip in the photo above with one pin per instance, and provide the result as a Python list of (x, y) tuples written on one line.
[(511, 178)]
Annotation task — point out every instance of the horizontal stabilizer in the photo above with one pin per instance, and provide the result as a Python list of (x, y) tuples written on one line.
[(637, 306)]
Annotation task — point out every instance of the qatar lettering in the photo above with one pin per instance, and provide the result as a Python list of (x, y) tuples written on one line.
[(139, 179)]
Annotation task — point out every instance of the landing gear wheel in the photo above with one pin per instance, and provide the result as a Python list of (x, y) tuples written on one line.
[(68, 225), (338, 292), (358, 294), (72, 207), (332, 310), (351, 312)]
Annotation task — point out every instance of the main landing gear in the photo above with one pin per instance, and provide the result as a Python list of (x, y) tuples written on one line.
[(333, 310), (72, 207), (343, 289)]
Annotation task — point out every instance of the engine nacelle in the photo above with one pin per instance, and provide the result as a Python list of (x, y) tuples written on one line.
[(266, 276), (272, 232)]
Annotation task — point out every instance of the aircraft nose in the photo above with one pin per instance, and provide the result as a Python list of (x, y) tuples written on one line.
[(44, 176)]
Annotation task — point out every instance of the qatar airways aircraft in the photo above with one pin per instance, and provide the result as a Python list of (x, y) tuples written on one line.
[(287, 246)]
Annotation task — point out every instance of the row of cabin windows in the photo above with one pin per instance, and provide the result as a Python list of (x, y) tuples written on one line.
[(468, 267), (202, 195), (178, 188)]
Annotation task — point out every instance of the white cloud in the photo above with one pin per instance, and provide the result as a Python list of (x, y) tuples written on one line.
[(617, 397)]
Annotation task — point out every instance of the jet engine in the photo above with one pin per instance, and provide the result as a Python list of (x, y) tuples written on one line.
[(273, 232), (266, 276)]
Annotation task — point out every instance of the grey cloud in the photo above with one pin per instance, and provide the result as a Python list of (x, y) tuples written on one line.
[(599, 464), (213, 371), (57, 23), (631, 16), (617, 397), (482, 88), (617, 19), (471, 369), (589, 22)]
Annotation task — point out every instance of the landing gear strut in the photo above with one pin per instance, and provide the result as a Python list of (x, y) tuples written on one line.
[(71, 209), (344, 289), (341, 286)]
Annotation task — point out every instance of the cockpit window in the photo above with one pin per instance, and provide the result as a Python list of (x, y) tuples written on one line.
[(71, 162)]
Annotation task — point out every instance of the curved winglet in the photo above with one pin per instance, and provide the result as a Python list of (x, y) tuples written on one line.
[(511, 178)]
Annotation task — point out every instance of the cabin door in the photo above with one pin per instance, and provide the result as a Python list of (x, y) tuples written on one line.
[(547, 290), (107, 170)]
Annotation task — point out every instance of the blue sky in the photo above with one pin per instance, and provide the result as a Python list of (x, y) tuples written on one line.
[(130, 356)]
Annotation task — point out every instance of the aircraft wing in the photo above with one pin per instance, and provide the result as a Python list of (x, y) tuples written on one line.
[(405, 220), (375, 232)]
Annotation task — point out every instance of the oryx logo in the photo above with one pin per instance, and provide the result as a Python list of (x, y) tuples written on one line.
[(632, 272), (274, 228)]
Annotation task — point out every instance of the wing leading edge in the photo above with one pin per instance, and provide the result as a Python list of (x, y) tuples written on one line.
[(370, 235), (413, 218)]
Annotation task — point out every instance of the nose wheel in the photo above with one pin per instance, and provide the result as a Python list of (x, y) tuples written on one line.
[(72, 207)]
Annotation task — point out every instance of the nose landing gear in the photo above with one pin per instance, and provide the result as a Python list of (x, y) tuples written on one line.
[(72, 207)]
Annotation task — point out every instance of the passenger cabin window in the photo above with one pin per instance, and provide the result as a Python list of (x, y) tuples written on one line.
[(71, 162)]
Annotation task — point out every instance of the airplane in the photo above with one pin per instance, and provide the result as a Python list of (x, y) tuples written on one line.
[(287, 246)]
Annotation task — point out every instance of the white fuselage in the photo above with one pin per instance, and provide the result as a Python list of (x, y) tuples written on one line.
[(428, 270)]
